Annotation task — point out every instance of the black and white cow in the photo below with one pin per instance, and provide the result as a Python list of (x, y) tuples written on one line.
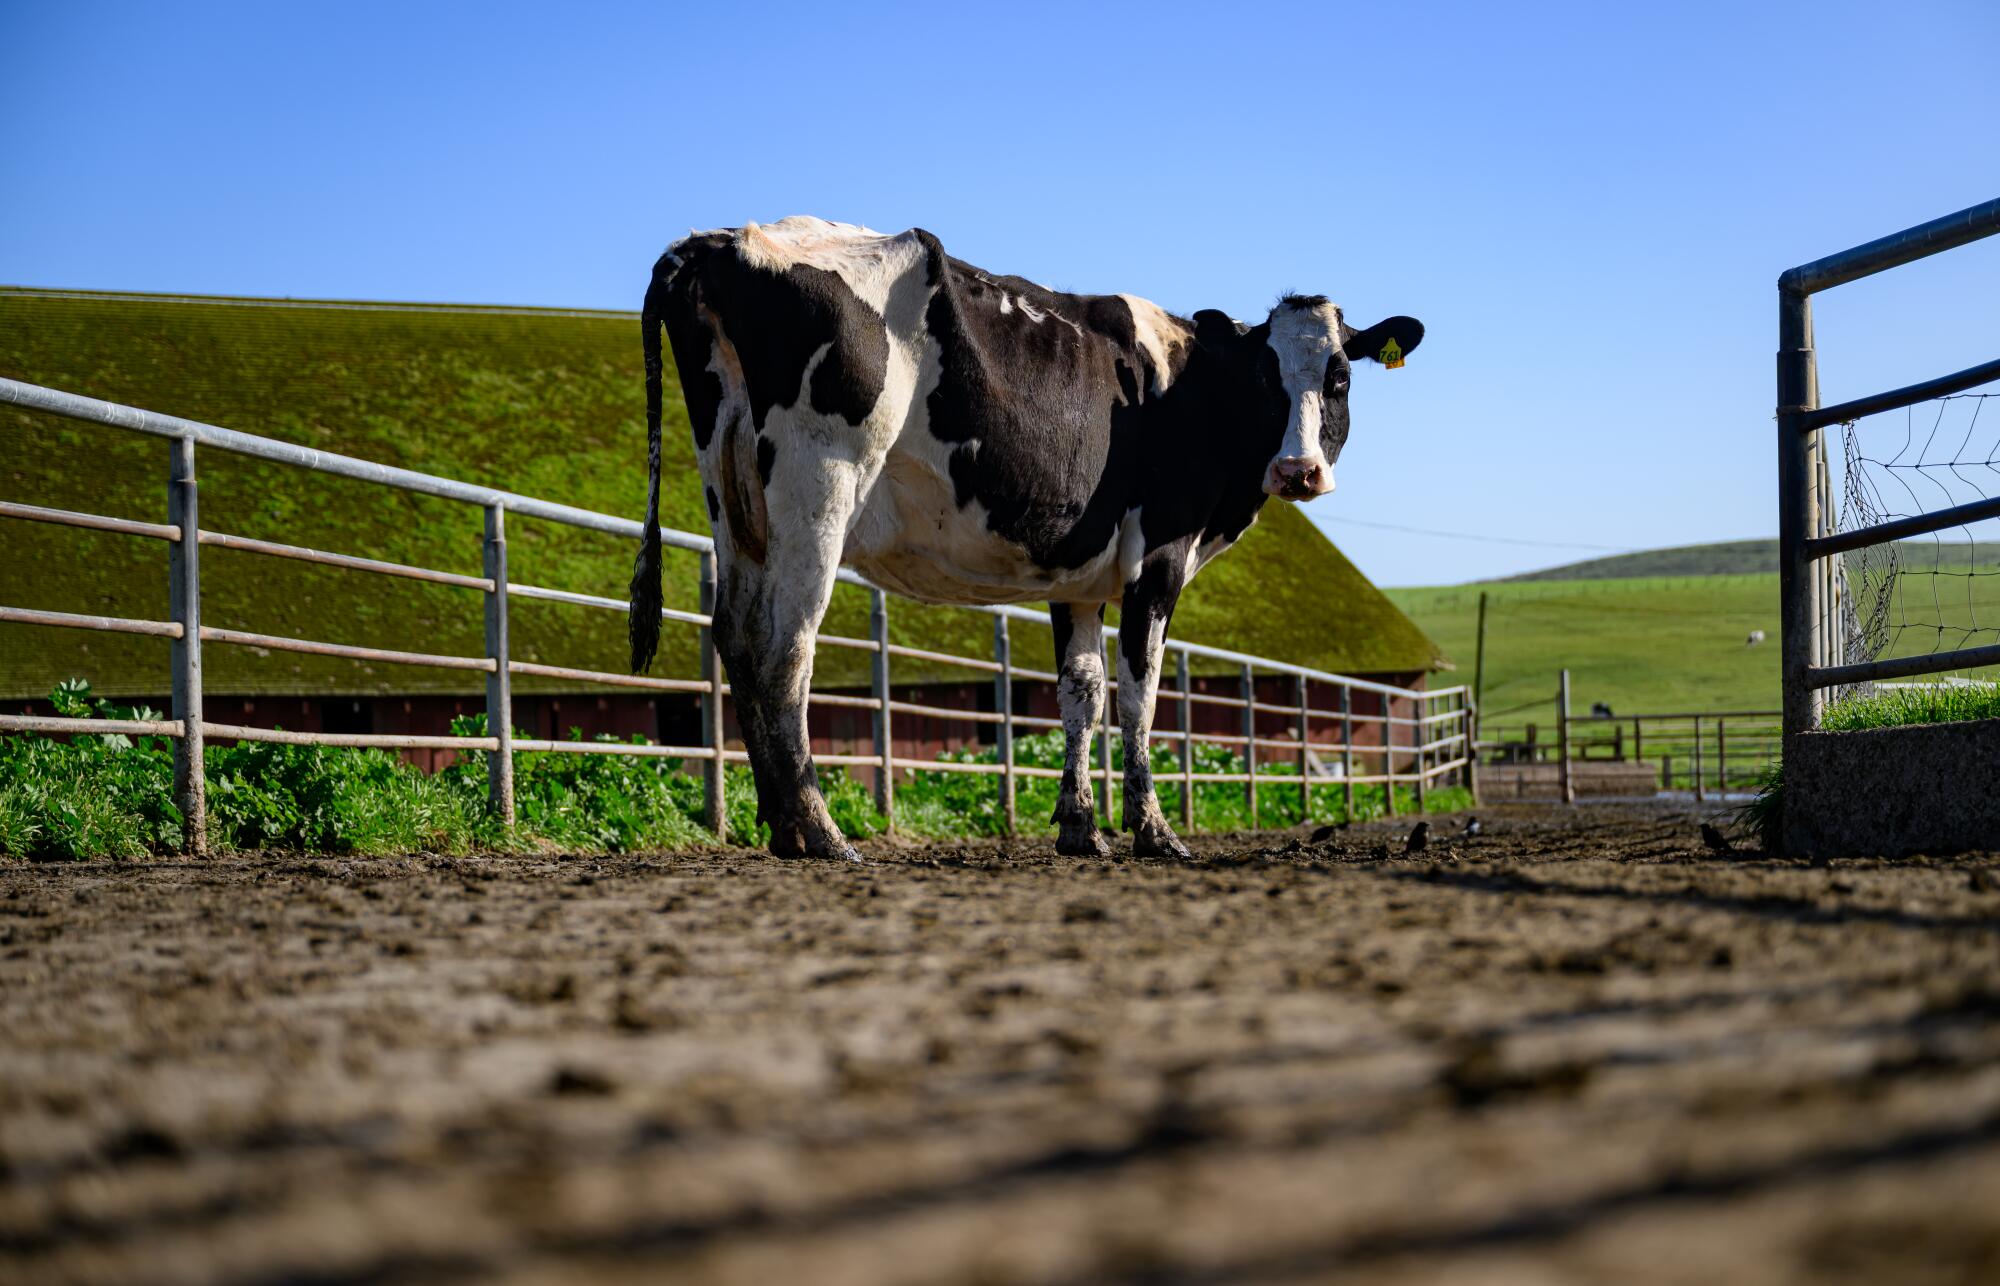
[(967, 438)]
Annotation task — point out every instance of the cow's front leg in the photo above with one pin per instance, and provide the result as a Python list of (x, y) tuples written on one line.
[(1079, 635), (1142, 634)]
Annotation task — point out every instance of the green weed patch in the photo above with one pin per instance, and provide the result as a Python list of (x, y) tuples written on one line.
[(111, 796)]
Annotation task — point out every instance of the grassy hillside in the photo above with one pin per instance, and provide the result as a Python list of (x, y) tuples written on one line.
[(1724, 558), (544, 402), (1648, 644), (1659, 644), (1745, 557)]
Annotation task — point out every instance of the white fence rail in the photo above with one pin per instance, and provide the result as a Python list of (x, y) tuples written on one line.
[(1432, 756)]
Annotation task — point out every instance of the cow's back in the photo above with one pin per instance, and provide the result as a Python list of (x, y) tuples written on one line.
[(997, 426)]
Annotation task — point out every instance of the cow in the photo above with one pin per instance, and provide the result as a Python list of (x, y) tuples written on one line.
[(960, 437)]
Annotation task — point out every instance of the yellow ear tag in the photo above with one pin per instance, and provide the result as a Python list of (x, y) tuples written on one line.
[(1391, 355)]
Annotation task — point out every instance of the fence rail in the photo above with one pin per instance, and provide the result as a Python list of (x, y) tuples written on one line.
[(1411, 753), (1702, 751)]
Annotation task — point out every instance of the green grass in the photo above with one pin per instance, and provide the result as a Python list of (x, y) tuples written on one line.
[(1652, 645), (541, 402), (1895, 707), (1655, 645), (111, 796)]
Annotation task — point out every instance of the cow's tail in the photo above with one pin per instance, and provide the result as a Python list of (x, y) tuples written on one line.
[(643, 621)]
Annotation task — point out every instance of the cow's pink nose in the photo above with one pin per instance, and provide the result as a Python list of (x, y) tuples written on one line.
[(1296, 476)]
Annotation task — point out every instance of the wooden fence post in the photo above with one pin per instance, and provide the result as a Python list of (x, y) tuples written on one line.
[(714, 726), (184, 595), (1700, 786), (1186, 682), (1003, 702), (1562, 739), (1721, 755), (1468, 724), (885, 740), (1472, 717), (499, 680)]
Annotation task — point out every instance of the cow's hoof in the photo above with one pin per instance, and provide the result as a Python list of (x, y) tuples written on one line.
[(1081, 841), (828, 853), (831, 848), (797, 841), (1159, 844)]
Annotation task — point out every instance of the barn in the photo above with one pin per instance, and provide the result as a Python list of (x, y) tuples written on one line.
[(547, 402)]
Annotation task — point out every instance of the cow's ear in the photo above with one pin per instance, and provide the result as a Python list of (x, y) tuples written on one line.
[(1387, 342), (1216, 329)]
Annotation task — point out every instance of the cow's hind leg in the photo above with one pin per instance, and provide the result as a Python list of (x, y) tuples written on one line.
[(1079, 635), (767, 613), (1143, 615)]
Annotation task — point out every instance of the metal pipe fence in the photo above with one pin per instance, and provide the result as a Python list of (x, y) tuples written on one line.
[(1810, 588), (1425, 736)]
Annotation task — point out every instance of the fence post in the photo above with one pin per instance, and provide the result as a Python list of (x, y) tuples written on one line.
[(1469, 726), (1305, 751), (1700, 787), (713, 726), (1388, 755), (1562, 739), (1250, 742), (1721, 755), (184, 591), (1347, 748), (1798, 510), (1638, 740), (1003, 702), (1418, 706), (499, 680), (1186, 683), (885, 742), (1104, 747)]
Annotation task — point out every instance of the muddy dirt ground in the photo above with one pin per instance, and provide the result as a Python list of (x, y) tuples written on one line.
[(1576, 1048)]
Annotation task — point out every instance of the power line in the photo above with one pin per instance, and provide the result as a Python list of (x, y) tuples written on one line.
[(1484, 540)]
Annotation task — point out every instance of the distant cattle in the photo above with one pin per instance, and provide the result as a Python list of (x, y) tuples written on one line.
[(1756, 637), (962, 437), (1600, 710)]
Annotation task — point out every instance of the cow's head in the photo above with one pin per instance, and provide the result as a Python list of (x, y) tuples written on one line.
[(1311, 352)]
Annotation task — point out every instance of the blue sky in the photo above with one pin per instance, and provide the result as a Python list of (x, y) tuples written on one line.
[(1588, 205)]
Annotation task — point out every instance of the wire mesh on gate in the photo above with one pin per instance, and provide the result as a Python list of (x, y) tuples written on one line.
[(1930, 593)]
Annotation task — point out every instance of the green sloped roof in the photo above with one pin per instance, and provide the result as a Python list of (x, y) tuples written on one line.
[(540, 401)]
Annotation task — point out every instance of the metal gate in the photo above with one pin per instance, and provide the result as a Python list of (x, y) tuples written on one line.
[(1809, 585)]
